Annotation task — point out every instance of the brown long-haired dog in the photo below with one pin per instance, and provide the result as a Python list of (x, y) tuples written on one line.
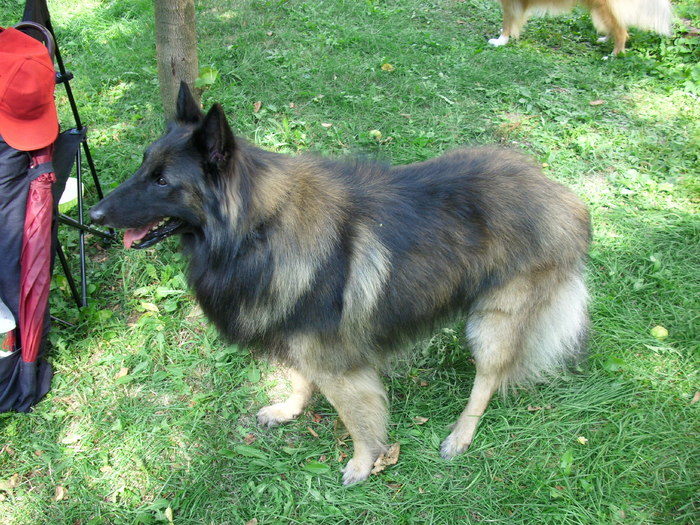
[(610, 17), (330, 266)]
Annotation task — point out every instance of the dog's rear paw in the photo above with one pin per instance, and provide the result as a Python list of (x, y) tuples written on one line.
[(453, 446), (276, 414), (356, 471)]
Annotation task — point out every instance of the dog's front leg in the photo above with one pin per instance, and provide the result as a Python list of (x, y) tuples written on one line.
[(302, 390), (514, 18), (361, 401)]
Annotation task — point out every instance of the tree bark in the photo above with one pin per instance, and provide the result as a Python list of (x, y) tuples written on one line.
[(176, 49)]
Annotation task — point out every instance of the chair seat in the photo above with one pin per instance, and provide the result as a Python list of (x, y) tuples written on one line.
[(69, 197)]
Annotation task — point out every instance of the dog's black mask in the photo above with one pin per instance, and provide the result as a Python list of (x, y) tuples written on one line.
[(156, 202)]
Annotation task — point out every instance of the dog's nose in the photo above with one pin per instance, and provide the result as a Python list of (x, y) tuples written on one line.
[(97, 214)]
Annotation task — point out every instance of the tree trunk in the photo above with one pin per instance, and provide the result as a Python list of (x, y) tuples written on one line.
[(176, 49)]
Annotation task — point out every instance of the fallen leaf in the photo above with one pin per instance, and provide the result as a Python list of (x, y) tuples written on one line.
[(418, 420), (387, 67), (123, 371), (257, 106), (342, 457), (326, 124), (317, 417), (388, 458), (312, 432), (597, 102), (696, 398), (60, 494), (249, 439)]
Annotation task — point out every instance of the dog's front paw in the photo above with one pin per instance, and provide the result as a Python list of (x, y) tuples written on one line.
[(276, 414), (453, 446), (500, 41), (356, 471)]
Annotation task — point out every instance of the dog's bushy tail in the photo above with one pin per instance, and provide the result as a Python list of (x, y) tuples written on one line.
[(652, 15), (559, 331), (554, 335)]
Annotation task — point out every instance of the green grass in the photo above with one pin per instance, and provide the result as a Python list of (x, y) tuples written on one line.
[(151, 416)]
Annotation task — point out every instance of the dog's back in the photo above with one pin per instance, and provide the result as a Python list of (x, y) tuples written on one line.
[(451, 228)]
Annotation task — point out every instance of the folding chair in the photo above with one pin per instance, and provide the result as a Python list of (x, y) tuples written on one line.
[(34, 170), (37, 23)]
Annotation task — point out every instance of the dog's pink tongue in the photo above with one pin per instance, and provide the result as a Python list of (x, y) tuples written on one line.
[(134, 234)]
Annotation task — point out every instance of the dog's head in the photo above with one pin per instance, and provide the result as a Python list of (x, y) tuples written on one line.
[(167, 194)]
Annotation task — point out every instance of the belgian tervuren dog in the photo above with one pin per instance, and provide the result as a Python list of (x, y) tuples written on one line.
[(328, 266)]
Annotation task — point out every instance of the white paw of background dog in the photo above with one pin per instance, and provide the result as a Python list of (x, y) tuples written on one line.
[(500, 41)]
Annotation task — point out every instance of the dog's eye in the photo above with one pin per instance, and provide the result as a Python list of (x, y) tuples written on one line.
[(160, 181)]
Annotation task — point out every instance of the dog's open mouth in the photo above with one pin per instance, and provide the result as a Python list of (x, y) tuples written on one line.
[(140, 238)]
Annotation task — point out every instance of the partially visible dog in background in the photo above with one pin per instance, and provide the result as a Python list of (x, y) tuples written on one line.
[(610, 17)]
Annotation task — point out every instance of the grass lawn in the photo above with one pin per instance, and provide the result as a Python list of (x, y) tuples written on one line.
[(151, 416)]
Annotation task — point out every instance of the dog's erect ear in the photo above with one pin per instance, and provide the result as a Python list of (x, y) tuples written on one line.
[(215, 139), (188, 111)]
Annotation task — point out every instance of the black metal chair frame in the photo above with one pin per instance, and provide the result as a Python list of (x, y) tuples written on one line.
[(80, 131)]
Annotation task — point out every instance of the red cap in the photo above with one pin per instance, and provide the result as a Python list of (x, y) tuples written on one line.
[(28, 119)]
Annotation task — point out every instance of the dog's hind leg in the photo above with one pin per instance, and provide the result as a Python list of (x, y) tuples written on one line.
[(606, 22), (520, 332), (361, 401), (493, 337), (302, 390), (485, 384), (495, 334)]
